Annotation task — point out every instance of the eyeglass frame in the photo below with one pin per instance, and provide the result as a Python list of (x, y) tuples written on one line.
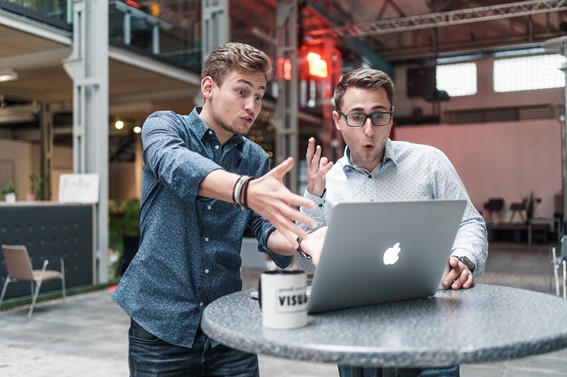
[(368, 116)]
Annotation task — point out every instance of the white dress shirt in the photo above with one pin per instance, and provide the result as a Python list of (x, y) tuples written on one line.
[(408, 172)]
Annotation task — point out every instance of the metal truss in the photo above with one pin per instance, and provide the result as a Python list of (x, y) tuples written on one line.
[(449, 18)]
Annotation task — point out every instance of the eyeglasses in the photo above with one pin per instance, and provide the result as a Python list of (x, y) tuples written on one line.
[(379, 118)]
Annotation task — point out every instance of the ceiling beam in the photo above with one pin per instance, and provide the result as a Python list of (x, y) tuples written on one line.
[(153, 65), (38, 59), (449, 18)]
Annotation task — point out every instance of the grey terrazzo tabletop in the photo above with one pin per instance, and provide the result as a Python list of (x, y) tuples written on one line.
[(484, 323)]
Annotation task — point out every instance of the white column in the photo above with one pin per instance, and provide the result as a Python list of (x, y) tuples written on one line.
[(88, 68), (286, 121), (215, 23)]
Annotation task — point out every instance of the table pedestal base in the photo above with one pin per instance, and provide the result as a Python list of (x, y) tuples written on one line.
[(378, 372)]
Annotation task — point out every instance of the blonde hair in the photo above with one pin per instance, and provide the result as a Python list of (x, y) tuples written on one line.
[(235, 56)]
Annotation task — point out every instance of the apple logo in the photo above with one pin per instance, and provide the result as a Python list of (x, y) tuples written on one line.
[(391, 254)]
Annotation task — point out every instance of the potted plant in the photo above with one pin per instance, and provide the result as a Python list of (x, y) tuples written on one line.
[(124, 229), (130, 231), (9, 192), (30, 196)]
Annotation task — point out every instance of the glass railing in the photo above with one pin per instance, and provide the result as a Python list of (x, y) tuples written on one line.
[(169, 34), (56, 13)]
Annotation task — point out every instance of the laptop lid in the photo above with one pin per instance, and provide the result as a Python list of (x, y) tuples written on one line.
[(377, 252)]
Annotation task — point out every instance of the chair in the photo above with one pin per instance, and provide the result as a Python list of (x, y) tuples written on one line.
[(560, 262), (520, 210), (494, 207), (19, 268)]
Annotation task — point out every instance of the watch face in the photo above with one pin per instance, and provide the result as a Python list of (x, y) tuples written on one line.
[(467, 262)]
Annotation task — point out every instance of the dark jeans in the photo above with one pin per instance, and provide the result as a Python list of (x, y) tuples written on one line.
[(149, 356), (345, 371)]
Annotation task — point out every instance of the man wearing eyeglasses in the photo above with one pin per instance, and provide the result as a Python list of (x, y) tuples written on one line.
[(375, 168)]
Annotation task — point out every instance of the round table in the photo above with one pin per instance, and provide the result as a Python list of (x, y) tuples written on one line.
[(484, 323)]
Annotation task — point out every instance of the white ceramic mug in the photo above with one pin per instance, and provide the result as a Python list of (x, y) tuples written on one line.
[(283, 298)]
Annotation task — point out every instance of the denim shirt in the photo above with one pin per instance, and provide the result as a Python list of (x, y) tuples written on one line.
[(408, 172), (189, 252)]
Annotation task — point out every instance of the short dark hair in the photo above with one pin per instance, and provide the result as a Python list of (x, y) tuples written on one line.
[(364, 78), (235, 56)]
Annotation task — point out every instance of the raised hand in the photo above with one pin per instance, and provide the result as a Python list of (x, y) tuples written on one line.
[(317, 168)]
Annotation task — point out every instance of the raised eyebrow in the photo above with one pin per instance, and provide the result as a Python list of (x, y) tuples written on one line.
[(249, 83), (380, 108), (373, 109)]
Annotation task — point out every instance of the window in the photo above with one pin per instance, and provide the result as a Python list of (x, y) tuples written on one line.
[(528, 73), (457, 79)]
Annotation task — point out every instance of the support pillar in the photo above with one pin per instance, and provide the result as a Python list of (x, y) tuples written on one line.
[(88, 68), (46, 151), (286, 120), (559, 45), (216, 25)]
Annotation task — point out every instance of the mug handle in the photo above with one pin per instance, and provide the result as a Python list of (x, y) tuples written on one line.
[(260, 291)]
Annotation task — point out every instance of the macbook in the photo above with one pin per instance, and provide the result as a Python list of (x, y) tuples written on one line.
[(378, 252)]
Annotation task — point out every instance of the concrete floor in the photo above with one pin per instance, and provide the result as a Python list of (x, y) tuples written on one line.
[(87, 336)]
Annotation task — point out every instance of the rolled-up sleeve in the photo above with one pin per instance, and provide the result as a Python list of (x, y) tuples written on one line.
[(170, 159)]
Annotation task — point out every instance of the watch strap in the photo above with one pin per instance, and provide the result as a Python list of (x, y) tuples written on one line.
[(467, 262)]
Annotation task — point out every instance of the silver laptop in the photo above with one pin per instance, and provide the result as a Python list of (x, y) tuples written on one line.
[(381, 252)]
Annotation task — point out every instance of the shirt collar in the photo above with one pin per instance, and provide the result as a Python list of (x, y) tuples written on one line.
[(389, 155), (202, 129)]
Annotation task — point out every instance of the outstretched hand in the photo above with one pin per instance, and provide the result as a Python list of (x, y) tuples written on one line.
[(317, 168), (270, 198), (313, 244)]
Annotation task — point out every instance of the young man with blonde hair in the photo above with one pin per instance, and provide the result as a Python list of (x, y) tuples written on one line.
[(203, 184)]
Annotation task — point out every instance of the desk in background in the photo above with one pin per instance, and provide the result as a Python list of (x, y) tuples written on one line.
[(504, 232), (51, 231), (485, 323)]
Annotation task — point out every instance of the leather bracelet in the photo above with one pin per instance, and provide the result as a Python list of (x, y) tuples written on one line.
[(236, 191), (244, 199)]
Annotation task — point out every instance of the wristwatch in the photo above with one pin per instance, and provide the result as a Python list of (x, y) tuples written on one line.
[(467, 262), (300, 250)]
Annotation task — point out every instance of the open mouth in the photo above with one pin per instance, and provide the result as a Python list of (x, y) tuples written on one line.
[(368, 147), (247, 120)]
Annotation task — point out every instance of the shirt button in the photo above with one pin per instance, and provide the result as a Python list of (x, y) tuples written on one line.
[(320, 205), (369, 175), (207, 271), (217, 147), (206, 239), (201, 304), (210, 132), (209, 208)]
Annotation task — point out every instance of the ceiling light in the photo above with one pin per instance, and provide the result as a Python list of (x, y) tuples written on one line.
[(137, 129), (119, 125), (8, 74)]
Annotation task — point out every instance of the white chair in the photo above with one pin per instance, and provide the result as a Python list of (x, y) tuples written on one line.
[(560, 262), (19, 268)]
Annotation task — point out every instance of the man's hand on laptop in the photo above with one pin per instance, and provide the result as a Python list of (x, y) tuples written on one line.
[(313, 244), (459, 275)]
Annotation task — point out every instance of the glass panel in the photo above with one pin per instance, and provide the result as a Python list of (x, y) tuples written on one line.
[(457, 79), (166, 30), (528, 73), (53, 12)]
